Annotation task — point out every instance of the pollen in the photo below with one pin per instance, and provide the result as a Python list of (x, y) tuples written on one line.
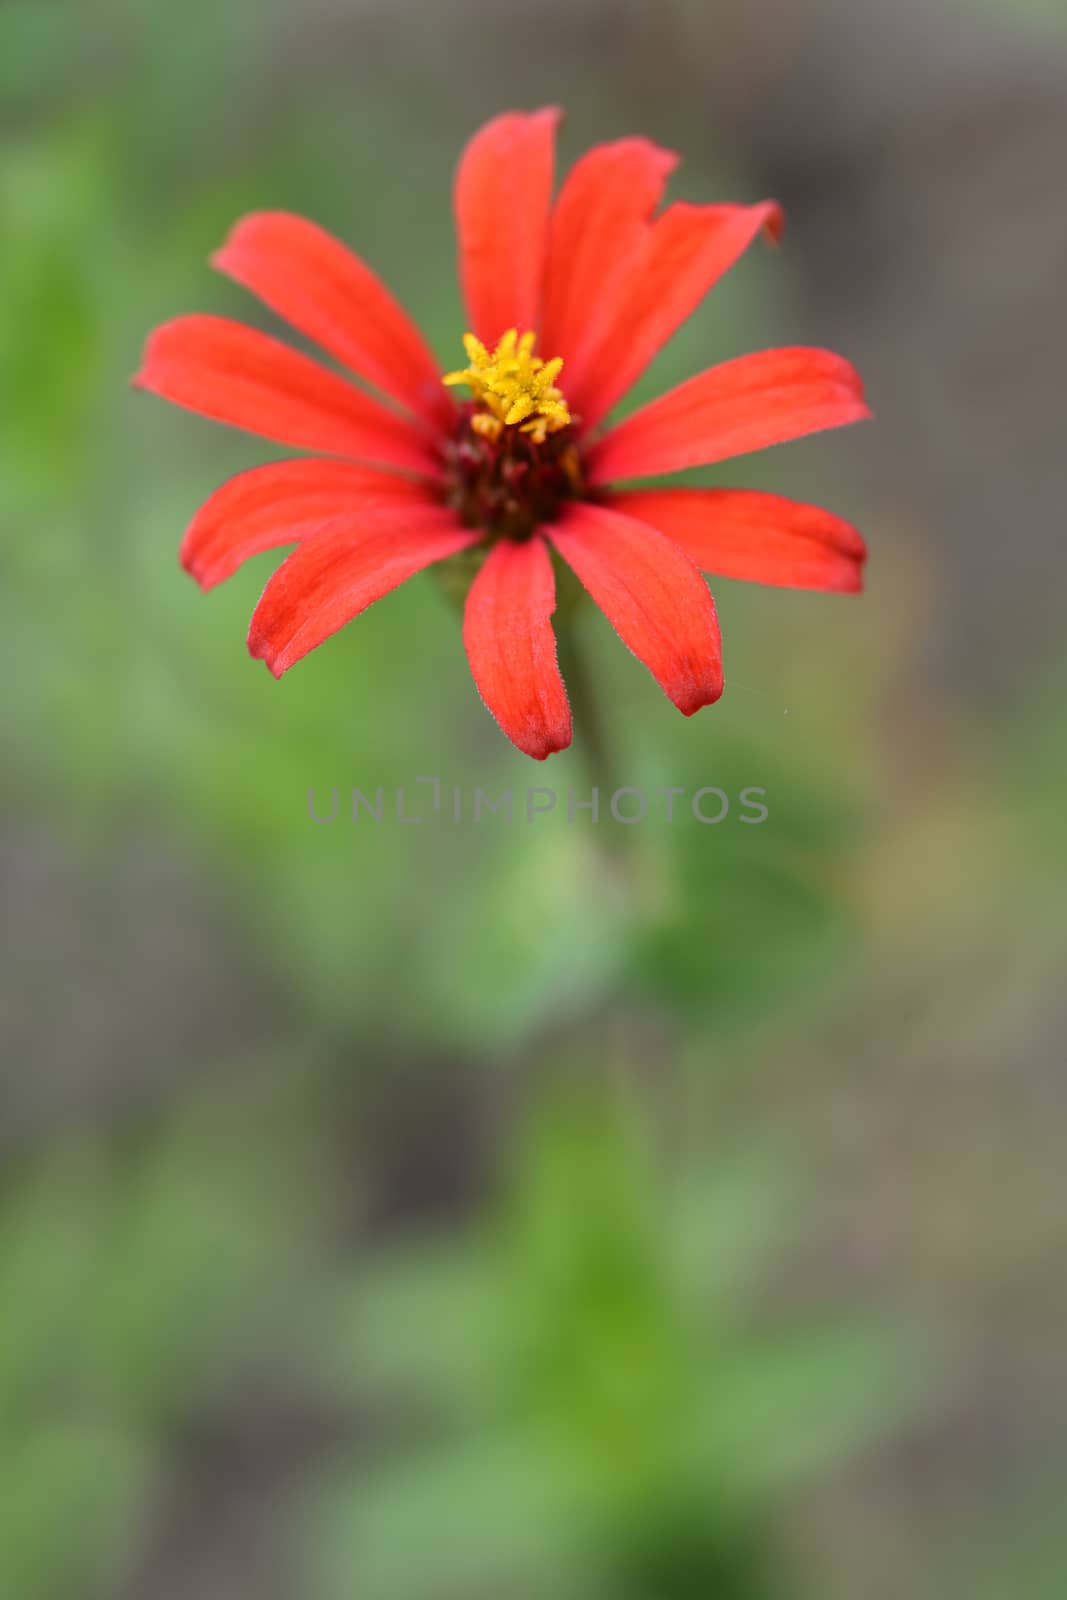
[(515, 387)]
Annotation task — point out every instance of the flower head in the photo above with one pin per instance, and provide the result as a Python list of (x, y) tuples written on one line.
[(568, 300)]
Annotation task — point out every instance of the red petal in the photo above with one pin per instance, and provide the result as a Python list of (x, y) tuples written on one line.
[(317, 284), (599, 220), (241, 376), (335, 574), (740, 533), (682, 255), (280, 504), (502, 197), (512, 649), (742, 405), (652, 595)]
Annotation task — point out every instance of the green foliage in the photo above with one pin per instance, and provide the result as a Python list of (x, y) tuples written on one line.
[(127, 1282), (70, 1492), (578, 1414)]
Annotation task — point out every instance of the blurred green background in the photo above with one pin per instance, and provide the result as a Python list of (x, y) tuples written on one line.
[(441, 1212)]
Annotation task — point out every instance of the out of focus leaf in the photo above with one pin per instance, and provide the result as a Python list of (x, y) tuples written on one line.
[(483, 1516), (781, 1409), (70, 1492)]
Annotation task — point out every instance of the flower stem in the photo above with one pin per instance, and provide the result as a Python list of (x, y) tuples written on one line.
[(590, 734)]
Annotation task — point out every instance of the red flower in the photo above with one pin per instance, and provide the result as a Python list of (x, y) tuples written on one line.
[(601, 281)]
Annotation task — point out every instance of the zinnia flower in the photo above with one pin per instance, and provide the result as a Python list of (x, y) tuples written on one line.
[(568, 299)]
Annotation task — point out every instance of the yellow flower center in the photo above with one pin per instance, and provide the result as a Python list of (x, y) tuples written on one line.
[(516, 388)]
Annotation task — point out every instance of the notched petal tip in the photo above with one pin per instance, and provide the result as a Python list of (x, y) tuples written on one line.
[(552, 750), (852, 578), (774, 225), (277, 670), (244, 231), (550, 115), (160, 345), (538, 748), (244, 236), (239, 229), (142, 377), (261, 649), (706, 694), (199, 575)]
